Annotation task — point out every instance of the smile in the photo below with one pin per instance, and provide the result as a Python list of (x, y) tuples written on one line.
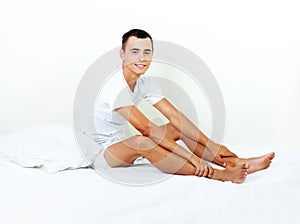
[(140, 66)]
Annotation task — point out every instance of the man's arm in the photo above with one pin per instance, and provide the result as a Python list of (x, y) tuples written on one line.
[(186, 127), (149, 129)]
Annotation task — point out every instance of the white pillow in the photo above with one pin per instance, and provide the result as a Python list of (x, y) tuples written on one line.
[(51, 147)]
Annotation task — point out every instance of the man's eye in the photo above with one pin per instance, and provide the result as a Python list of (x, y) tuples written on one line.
[(147, 53), (135, 52)]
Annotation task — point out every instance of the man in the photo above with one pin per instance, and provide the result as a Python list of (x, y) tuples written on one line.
[(117, 105)]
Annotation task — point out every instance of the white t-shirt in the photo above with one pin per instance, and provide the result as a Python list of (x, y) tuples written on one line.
[(114, 94)]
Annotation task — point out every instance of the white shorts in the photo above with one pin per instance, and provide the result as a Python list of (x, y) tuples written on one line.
[(100, 161)]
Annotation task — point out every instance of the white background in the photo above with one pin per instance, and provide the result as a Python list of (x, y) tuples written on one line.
[(252, 48)]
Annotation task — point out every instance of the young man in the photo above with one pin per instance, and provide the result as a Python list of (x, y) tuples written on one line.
[(117, 104)]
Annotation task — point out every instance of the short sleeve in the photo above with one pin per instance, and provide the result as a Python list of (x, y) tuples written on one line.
[(151, 90)]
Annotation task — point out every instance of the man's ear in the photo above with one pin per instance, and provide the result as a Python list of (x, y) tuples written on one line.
[(122, 54)]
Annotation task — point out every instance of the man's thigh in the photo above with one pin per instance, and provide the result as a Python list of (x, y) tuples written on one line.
[(124, 153)]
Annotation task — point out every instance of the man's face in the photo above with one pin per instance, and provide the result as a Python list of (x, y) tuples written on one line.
[(137, 55)]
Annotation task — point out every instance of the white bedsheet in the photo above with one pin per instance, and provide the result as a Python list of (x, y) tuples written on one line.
[(31, 196)]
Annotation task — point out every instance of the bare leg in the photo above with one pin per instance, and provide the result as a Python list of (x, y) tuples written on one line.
[(199, 150), (124, 153), (195, 147), (255, 163)]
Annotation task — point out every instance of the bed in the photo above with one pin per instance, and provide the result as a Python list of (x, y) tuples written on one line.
[(83, 195)]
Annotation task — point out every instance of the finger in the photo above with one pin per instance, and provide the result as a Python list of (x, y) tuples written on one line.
[(218, 160), (201, 171), (197, 171), (205, 171), (210, 171)]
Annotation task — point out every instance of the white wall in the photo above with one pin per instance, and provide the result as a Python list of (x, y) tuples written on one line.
[(252, 48)]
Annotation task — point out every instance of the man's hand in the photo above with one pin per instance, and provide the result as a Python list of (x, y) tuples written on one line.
[(220, 152), (203, 169)]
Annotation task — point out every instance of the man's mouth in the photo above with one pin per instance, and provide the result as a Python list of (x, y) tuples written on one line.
[(140, 66)]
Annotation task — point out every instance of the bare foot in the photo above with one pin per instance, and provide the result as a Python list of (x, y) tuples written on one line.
[(256, 164), (236, 174)]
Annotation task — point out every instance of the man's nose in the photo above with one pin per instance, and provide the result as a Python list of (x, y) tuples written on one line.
[(141, 57)]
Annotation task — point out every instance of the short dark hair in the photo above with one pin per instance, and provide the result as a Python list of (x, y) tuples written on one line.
[(135, 33)]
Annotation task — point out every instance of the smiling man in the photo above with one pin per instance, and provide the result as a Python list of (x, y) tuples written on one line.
[(116, 105)]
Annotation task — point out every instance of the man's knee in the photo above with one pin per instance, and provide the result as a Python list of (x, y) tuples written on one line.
[(172, 132)]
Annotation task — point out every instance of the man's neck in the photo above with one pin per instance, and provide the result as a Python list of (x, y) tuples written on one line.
[(130, 78)]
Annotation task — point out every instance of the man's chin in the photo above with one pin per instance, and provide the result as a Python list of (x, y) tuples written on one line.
[(140, 72)]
